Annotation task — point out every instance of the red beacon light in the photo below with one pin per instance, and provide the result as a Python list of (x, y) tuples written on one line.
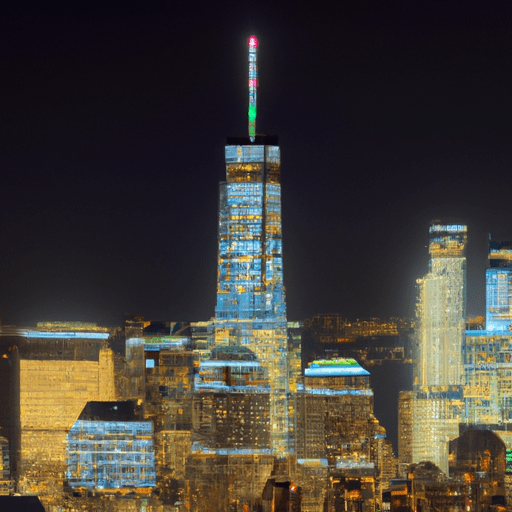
[(252, 42)]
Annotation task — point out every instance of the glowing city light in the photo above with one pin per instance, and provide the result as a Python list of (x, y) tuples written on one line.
[(253, 42), (65, 335)]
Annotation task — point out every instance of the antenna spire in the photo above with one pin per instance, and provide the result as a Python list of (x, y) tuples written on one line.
[(253, 84)]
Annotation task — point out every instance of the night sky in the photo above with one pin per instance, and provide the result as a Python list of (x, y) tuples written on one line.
[(114, 116)]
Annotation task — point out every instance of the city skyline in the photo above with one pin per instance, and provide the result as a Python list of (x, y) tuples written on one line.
[(113, 138), (217, 414)]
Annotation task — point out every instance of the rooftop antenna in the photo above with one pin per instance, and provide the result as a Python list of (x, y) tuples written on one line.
[(253, 84)]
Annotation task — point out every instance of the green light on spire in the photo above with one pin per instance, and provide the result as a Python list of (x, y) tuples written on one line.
[(252, 113)]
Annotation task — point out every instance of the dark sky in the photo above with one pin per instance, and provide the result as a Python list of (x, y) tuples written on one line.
[(113, 121)]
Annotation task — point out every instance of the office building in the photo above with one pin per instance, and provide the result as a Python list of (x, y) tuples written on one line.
[(109, 450), (168, 405), (251, 308), (169, 382), (52, 372), (498, 287), (334, 407), (488, 352), (441, 309), (441, 399), (436, 412), (405, 430), (218, 483), (337, 431), (232, 403), (437, 403), (231, 455), (488, 368)]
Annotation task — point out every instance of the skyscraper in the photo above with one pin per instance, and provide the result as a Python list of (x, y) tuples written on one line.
[(498, 283), (441, 308), (488, 353), (251, 308), (437, 403)]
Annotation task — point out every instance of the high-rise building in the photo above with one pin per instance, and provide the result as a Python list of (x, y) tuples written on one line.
[(437, 403), (498, 283), (168, 404), (109, 450), (336, 428), (481, 395), (488, 353), (334, 409), (231, 403), (436, 412), (251, 309), (405, 430), (441, 308), (53, 371), (230, 456), (488, 363)]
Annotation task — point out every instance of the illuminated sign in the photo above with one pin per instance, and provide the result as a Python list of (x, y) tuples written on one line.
[(452, 228)]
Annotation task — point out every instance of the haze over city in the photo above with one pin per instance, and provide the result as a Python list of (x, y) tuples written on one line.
[(390, 115)]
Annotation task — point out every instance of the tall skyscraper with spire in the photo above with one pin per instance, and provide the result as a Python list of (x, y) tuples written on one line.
[(251, 307)]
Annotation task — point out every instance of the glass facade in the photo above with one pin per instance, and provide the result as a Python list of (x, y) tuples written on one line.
[(488, 369), (441, 308), (488, 353), (437, 404), (251, 308), (498, 283), (111, 455), (231, 408), (437, 412)]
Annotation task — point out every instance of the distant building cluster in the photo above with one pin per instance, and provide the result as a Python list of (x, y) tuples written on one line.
[(458, 415), (371, 342), (158, 416), (217, 415)]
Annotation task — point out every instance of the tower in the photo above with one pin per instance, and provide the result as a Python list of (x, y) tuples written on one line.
[(441, 308), (488, 353), (437, 405), (498, 283), (251, 309)]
